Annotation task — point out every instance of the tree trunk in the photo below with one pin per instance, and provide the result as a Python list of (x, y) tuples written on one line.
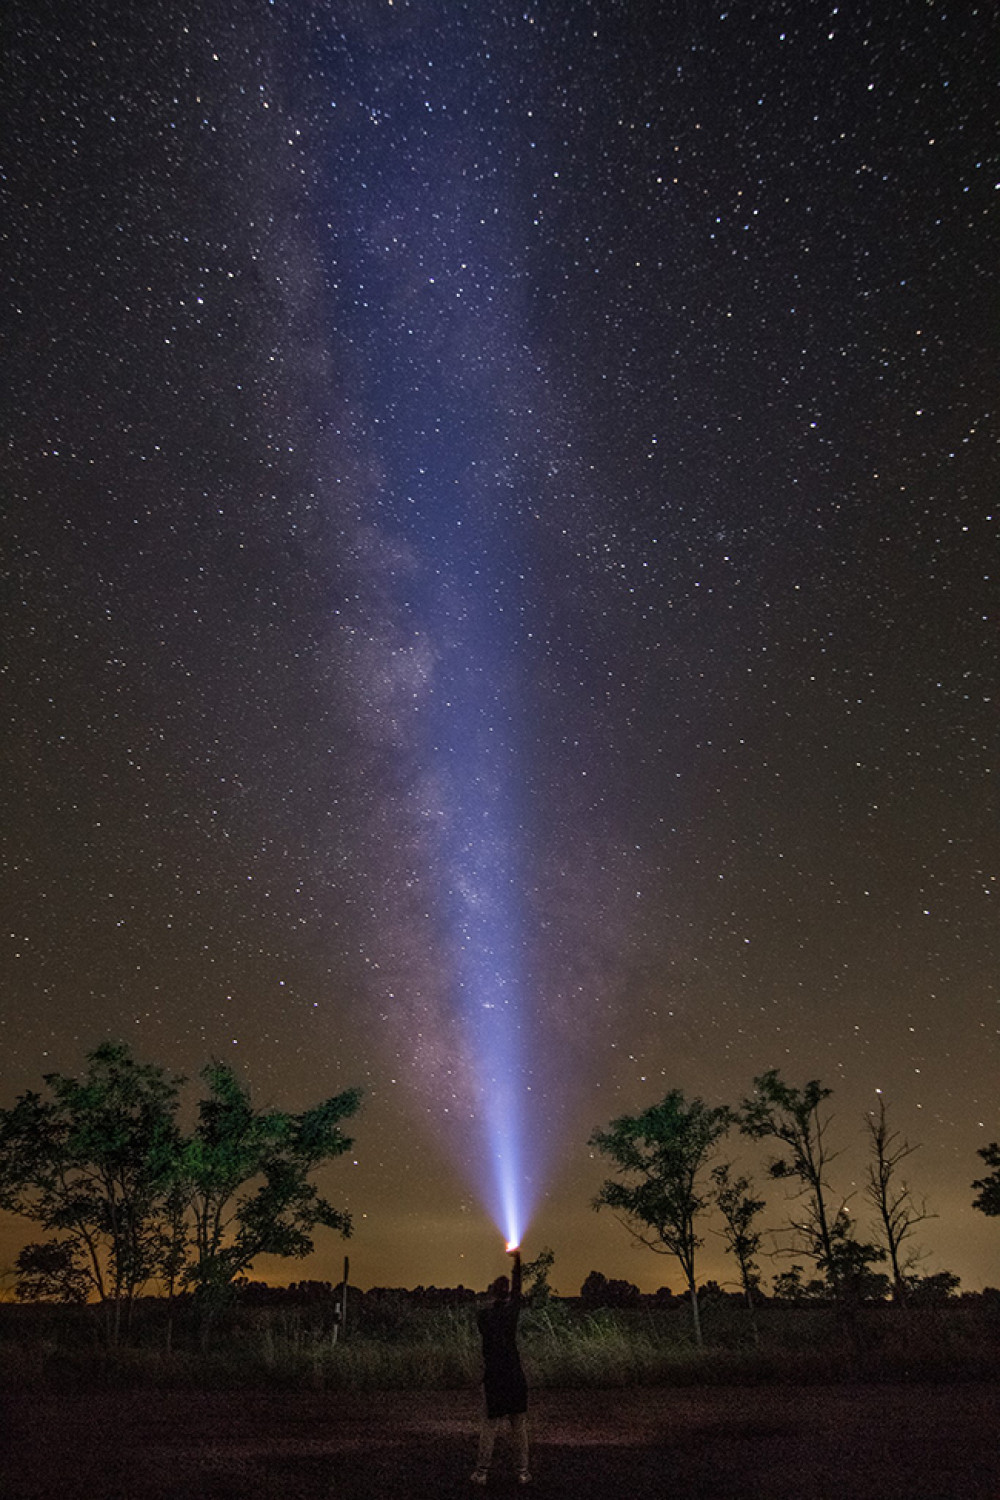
[(696, 1315), (343, 1296), (751, 1304)]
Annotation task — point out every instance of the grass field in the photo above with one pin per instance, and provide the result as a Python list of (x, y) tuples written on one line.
[(396, 1345)]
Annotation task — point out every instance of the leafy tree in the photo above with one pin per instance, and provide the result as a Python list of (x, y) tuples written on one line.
[(100, 1164), (933, 1290), (51, 1271), (898, 1210), (245, 1173), (740, 1211), (661, 1154), (987, 1199), (777, 1111), (599, 1290), (851, 1271), (173, 1243), (788, 1286), (535, 1275), (90, 1164)]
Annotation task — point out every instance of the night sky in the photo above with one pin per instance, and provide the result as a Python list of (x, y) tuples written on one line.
[(500, 506)]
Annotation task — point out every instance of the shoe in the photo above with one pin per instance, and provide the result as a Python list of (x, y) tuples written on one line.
[(478, 1476), (524, 1477)]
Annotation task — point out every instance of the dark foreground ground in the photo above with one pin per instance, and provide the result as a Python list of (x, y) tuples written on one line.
[(766, 1443)]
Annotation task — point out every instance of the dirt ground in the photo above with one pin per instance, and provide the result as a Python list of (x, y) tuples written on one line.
[(769, 1443)]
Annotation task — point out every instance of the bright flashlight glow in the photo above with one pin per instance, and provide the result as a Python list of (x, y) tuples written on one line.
[(493, 1023)]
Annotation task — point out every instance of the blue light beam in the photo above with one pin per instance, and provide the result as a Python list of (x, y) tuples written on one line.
[(448, 391), (484, 914)]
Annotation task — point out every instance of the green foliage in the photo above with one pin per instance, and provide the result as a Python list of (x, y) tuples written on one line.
[(776, 1111), (661, 1154), (101, 1165), (987, 1199), (740, 1211), (90, 1164), (245, 1176)]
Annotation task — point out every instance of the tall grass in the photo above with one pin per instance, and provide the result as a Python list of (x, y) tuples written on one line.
[(404, 1347)]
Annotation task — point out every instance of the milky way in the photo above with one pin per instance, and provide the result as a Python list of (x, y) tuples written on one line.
[(500, 529)]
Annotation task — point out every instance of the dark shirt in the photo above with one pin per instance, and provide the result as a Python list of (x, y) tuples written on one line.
[(503, 1377)]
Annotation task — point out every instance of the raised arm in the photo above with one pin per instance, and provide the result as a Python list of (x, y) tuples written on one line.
[(515, 1277)]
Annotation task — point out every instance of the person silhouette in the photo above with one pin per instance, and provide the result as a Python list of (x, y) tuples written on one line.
[(504, 1386)]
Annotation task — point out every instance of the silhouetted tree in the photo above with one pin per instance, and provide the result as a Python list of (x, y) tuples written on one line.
[(661, 1154), (246, 1175), (851, 1270), (740, 1211), (91, 1164), (933, 1290), (102, 1166), (788, 1286), (52, 1271), (899, 1212), (535, 1274), (594, 1289), (777, 1111), (987, 1199), (711, 1291), (599, 1290)]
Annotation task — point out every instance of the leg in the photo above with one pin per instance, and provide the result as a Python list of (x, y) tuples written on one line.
[(519, 1430), (487, 1437)]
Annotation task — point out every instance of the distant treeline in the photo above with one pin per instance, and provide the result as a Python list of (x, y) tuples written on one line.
[(597, 1291)]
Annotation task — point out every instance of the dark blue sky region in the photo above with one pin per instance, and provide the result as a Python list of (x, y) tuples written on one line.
[(501, 541)]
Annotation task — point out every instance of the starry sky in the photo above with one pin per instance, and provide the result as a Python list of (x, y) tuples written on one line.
[(498, 524)]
